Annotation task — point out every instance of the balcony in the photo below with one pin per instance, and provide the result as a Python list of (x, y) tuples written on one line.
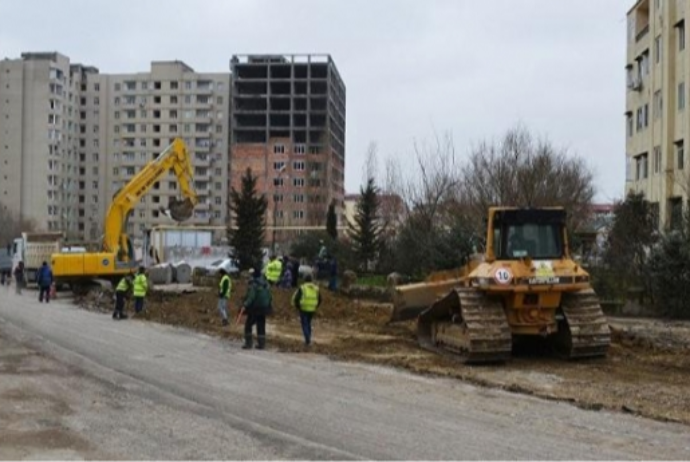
[(640, 35)]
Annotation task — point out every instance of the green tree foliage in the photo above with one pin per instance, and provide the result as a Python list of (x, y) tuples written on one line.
[(249, 211), (332, 222), (669, 268), (366, 231), (308, 244), (629, 242)]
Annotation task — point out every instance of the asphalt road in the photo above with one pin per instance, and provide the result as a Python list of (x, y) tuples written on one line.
[(202, 397)]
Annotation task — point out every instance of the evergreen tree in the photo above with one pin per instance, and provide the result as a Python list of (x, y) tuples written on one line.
[(366, 231), (249, 211), (332, 222)]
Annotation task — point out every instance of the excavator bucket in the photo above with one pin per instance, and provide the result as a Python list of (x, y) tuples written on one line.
[(180, 210)]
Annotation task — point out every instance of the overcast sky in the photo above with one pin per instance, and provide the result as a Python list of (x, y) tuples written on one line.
[(412, 68)]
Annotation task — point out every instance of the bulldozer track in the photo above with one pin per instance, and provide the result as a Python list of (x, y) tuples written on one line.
[(587, 332), (479, 333)]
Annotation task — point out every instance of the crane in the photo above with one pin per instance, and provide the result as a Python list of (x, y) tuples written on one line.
[(117, 255)]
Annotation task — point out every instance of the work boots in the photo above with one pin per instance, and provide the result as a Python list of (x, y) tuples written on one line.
[(247, 342), (261, 342)]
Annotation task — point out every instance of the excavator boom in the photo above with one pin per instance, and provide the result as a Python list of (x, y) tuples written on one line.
[(175, 157)]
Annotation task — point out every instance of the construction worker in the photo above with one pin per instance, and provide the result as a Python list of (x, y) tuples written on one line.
[(257, 305), (121, 292), (307, 299), (140, 287), (44, 279), (225, 287), (273, 270)]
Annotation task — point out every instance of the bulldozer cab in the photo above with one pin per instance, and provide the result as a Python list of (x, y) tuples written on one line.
[(515, 234)]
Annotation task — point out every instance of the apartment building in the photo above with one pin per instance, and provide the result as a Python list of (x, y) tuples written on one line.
[(145, 113), (70, 137), (39, 139), (288, 126), (657, 119)]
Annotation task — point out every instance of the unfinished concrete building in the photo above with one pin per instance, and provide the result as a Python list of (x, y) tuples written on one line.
[(288, 126)]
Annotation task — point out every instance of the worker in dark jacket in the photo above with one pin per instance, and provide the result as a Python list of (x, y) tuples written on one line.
[(257, 305), (44, 279), (307, 299), (19, 277), (121, 292)]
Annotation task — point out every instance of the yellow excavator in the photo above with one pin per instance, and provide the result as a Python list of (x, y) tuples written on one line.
[(524, 285), (116, 258)]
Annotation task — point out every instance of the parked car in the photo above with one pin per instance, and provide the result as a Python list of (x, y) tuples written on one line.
[(228, 264)]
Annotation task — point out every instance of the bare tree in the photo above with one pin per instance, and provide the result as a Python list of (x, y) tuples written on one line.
[(521, 171), (11, 225)]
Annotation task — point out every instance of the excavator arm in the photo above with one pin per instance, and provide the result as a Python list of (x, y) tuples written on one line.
[(175, 157)]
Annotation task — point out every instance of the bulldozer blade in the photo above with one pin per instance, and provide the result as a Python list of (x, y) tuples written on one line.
[(180, 210), (410, 300)]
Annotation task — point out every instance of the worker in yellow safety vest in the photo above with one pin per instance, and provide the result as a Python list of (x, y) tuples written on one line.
[(307, 299), (273, 270), (224, 289), (121, 292), (141, 286)]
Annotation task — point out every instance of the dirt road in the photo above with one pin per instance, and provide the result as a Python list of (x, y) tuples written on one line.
[(276, 405), (647, 372)]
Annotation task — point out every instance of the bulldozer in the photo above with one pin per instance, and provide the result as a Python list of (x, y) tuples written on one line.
[(523, 286)]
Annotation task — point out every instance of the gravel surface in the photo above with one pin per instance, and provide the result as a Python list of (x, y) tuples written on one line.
[(143, 390)]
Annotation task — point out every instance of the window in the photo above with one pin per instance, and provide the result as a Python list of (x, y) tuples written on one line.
[(680, 29), (217, 200), (641, 167), (539, 241), (298, 214), (219, 129), (144, 85), (278, 149), (173, 99), (173, 114), (172, 185), (645, 114), (629, 124), (188, 99), (278, 165), (658, 104), (298, 165), (298, 198), (299, 149), (656, 162), (94, 157), (219, 100), (96, 87), (681, 96), (680, 154), (657, 50), (174, 85), (278, 182), (142, 128), (188, 85), (157, 85), (277, 198), (116, 171), (675, 205), (117, 88), (298, 182)]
